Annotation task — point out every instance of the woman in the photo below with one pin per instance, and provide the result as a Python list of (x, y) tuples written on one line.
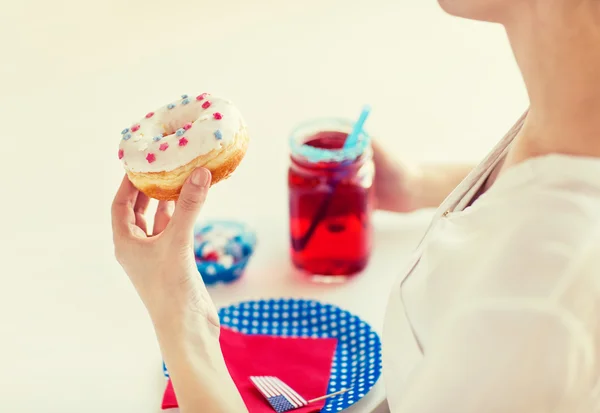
[(499, 309)]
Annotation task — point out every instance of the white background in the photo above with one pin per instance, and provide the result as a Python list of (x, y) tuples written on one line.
[(73, 335)]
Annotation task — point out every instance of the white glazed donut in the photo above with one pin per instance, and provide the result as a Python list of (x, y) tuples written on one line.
[(160, 151)]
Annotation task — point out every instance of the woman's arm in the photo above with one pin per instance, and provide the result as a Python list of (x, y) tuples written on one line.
[(432, 183), (400, 187), (189, 343), (160, 264)]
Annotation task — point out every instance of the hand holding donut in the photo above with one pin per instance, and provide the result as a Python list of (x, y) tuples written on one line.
[(160, 263)]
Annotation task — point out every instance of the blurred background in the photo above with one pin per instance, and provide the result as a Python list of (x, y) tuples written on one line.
[(73, 74)]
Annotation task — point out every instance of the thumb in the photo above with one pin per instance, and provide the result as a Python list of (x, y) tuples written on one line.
[(190, 202)]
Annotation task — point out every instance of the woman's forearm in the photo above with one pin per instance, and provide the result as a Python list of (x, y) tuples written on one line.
[(431, 184), (190, 348)]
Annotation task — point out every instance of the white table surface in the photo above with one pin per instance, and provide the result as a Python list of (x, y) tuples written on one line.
[(73, 335)]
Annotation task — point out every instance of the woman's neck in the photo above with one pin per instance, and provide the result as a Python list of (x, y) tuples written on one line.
[(558, 52)]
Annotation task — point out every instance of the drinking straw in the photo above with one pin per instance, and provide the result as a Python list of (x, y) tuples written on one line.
[(350, 142), (352, 138)]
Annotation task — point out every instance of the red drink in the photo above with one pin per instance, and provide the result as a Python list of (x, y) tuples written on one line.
[(330, 206)]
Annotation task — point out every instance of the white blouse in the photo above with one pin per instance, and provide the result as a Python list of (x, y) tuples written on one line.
[(499, 310)]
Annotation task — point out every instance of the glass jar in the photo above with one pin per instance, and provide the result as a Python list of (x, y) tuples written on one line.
[(331, 200)]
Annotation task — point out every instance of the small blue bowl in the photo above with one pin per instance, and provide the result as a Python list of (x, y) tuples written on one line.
[(240, 244)]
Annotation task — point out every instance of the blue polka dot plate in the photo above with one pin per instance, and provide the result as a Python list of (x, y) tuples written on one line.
[(357, 360), (222, 250)]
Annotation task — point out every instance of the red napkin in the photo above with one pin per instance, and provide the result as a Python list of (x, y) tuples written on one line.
[(302, 363)]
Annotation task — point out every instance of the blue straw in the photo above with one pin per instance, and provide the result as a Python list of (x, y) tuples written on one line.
[(352, 139)]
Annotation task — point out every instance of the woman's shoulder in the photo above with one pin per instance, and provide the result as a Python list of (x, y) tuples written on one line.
[(528, 227)]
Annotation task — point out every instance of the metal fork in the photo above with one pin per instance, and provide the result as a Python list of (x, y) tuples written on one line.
[(281, 396)]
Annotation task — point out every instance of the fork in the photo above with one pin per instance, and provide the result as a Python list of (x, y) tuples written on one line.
[(281, 396)]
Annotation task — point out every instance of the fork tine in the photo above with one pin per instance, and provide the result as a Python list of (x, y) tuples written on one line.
[(276, 397)]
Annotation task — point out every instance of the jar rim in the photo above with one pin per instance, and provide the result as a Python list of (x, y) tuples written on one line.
[(316, 155)]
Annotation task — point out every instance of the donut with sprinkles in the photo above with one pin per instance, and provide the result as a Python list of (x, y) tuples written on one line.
[(162, 149)]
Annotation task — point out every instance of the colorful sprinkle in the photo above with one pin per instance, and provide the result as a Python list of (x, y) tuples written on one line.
[(217, 115), (218, 134), (201, 97), (180, 132), (127, 136), (120, 153), (150, 157), (124, 131), (184, 96), (206, 104), (157, 138), (185, 101), (149, 115), (187, 126), (183, 141), (163, 146), (135, 128), (170, 106)]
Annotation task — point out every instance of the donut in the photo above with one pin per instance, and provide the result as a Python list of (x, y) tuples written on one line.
[(162, 149)]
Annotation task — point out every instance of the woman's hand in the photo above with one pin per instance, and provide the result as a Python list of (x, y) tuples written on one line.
[(160, 260), (400, 187), (394, 181)]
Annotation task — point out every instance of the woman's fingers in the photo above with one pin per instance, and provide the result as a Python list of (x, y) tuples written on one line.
[(190, 202), (123, 216), (141, 204), (164, 210)]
